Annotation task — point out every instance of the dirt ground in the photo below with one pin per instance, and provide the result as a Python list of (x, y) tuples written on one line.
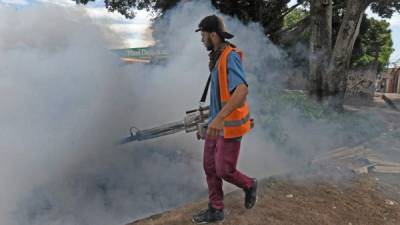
[(311, 201)]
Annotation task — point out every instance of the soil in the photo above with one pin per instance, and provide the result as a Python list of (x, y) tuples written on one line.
[(359, 200)]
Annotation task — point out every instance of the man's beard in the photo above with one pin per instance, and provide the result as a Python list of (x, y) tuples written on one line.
[(209, 45)]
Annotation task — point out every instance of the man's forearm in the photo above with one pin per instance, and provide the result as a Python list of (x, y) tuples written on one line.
[(237, 99)]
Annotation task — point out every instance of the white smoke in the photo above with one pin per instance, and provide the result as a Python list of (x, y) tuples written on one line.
[(66, 98)]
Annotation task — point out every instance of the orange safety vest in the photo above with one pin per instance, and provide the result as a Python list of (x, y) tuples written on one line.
[(238, 122)]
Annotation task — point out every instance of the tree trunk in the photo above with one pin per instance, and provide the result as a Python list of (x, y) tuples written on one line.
[(320, 46), (340, 60)]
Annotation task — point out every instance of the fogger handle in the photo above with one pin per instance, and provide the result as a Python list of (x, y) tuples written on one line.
[(202, 131)]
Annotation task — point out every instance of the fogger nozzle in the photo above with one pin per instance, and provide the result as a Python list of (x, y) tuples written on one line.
[(194, 120)]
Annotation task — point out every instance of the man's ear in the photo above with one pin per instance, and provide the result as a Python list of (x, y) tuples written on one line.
[(213, 35)]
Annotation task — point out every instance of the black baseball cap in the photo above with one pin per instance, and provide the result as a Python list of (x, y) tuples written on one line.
[(214, 23)]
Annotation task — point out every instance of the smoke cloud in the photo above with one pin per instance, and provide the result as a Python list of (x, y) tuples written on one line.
[(66, 98)]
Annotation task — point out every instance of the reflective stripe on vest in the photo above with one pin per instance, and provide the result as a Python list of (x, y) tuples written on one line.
[(238, 122), (235, 123)]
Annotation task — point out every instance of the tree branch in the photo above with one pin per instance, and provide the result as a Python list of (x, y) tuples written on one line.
[(288, 35), (290, 10)]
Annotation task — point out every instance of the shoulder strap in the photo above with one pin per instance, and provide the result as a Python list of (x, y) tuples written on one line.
[(205, 92)]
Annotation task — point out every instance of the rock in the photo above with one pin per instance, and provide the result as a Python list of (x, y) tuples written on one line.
[(289, 196)]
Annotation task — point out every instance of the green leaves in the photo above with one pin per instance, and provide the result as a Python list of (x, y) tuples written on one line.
[(385, 8), (294, 17), (374, 44)]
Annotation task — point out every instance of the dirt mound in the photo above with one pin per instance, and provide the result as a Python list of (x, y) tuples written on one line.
[(359, 200)]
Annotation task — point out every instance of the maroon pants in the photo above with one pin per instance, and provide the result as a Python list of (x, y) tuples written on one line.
[(219, 161)]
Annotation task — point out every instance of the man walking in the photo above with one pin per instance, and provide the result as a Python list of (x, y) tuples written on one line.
[(229, 120)]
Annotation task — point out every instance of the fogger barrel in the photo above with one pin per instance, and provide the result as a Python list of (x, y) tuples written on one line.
[(194, 120)]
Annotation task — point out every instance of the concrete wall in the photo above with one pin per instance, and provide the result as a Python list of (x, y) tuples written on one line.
[(361, 86)]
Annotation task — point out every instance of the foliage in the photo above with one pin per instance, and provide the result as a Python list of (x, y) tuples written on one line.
[(266, 12), (374, 44), (295, 16), (385, 8)]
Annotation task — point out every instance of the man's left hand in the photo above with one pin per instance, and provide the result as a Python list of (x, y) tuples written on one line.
[(215, 127)]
